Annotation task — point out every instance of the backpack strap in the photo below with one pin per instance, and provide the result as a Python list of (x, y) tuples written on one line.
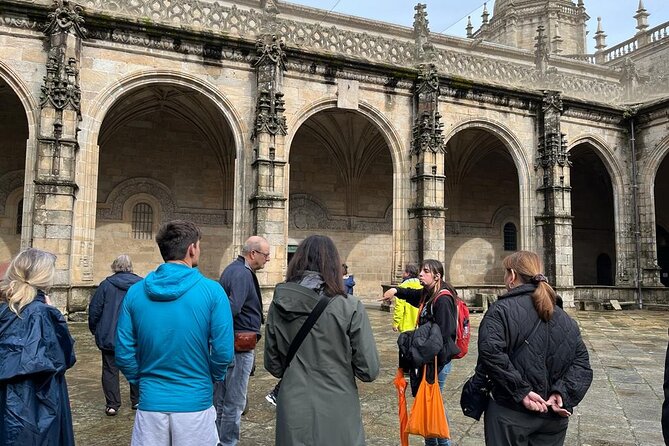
[(306, 327)]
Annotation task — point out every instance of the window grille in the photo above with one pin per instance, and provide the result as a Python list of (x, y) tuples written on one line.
[(510, 237), (142, 221)]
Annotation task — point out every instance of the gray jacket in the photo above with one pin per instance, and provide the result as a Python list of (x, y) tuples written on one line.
[(318, 402)]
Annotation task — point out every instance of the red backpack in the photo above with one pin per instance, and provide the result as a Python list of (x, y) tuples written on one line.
[(462, 332)]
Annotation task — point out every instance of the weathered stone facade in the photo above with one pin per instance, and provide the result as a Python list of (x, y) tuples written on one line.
[(263, 117)]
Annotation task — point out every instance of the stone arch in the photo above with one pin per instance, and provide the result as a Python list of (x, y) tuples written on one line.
[(605, 153), (109, 96), (648, 170), (114, 205), (31, 109), (388, 131), (520, 160), (9, 183)]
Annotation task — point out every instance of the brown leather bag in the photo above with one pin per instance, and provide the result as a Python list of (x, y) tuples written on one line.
[(245, 341)]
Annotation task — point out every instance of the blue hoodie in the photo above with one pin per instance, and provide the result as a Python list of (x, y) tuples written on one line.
[(175, 338)]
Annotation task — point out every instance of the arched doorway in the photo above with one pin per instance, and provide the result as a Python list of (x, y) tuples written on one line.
[(482, 201), (662, 219), (14, 130), (593, 229), (341, 185), (165, 152)]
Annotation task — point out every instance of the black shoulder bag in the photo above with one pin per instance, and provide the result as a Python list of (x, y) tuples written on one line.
[(306, 328), (476, 390)]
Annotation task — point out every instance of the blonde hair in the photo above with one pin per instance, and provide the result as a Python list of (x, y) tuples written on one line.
[(527, 266), (32, 269)]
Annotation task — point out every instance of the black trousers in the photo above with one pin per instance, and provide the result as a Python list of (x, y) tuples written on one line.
[(110, 383), (507, 427)]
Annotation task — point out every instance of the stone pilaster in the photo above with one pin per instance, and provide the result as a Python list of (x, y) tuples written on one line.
[(57, 145), (268, 201), (554, 220), (427, 215)]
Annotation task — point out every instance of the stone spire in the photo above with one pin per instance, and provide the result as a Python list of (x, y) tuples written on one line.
[(641, 17), (485, 15), (421, 33), (600, 36), (469, 26), (541, 52), (557, 40)]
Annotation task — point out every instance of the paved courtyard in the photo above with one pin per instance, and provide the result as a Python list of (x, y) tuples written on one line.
[(622, 407)]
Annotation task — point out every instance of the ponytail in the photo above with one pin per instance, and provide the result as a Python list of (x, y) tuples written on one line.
[(527, 266), (31, 270)]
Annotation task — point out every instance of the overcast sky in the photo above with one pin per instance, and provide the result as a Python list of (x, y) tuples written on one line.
[(450, 16)]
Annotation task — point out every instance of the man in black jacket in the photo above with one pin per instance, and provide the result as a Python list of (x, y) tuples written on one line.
[(103, 314), (241, 285)]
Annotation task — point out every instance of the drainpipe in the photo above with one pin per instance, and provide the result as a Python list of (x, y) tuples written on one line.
[(635, 206)]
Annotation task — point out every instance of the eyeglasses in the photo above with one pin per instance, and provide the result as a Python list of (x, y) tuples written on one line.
[(266, 254)]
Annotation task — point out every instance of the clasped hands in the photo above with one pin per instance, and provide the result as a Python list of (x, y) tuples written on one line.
[(534, 402)]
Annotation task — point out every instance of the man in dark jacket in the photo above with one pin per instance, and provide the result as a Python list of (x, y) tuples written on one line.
[(102, 319), (241, 285)]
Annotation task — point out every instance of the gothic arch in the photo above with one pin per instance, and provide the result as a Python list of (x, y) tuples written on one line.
[(113, 207), (605, 154), (30, 104), (9, 183), (648, 169), (520, 160), (368, 111)]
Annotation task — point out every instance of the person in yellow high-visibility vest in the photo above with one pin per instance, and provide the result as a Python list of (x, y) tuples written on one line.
[(405, 315)]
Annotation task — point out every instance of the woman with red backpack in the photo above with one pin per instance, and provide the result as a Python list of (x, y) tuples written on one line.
[(437, 305)]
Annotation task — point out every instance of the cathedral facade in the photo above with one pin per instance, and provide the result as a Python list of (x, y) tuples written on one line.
[(264, 117)]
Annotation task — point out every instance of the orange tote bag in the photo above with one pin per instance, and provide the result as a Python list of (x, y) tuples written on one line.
[(427, 417)]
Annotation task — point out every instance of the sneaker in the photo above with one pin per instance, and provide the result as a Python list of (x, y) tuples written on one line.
[(271, 398), (110, 411), (134, 406)]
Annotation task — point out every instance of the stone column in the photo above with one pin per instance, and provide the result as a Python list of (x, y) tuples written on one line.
[(427, 216), (57, 145), (554, 221), (268, 200)]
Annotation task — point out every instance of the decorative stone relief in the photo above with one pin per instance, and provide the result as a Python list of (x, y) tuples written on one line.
[(270, 65), (308, 213), (66, 18), (428, 128), (424, 49), (552, 143), (112, 208)]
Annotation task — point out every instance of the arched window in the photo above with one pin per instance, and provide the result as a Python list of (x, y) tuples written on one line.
[(142, 221), (510, 237), (19, 216)]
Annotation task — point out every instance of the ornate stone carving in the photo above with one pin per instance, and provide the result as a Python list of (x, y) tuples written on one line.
[(552, 148), (542, 50), (66, 18), (428, 128), (61, 83), (270, 65), (112, 208), (308, 213), (421, 32)]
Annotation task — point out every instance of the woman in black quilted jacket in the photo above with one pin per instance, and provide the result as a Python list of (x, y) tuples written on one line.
[(536, 387)]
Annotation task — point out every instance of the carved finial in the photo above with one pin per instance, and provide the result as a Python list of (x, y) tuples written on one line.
[(541, 53), (66, 18), (641, 17), (600, 36), (485, 14), (421, 33), (269, 6), (469, 26), (629, 77)]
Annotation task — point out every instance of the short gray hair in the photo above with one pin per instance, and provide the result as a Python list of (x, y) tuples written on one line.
[(122, 263)]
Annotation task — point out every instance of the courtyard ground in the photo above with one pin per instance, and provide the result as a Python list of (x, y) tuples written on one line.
[(622, 408)]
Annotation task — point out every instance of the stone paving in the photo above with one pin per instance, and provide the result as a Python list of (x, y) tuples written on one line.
[(622, 407)]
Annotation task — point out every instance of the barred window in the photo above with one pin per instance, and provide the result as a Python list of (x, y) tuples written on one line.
[(142, 221), (19, 216), (510, 237)]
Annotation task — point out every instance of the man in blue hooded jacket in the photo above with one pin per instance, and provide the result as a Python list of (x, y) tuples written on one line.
[(175, 339)]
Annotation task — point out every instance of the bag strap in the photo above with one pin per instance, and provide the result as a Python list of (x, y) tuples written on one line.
[(306, 328), (526, 342)]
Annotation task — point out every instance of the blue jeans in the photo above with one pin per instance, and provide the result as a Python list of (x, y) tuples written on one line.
[(443, 373), (230, 398)]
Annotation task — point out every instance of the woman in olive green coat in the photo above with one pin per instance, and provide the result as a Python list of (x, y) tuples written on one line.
[(318, 401)]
